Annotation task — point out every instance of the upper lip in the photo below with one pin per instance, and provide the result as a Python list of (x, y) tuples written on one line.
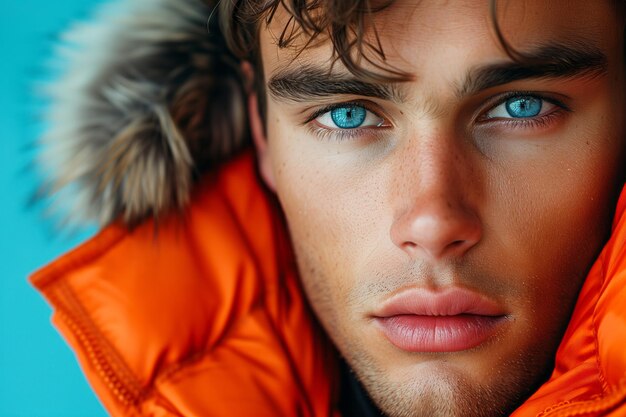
[(450, 301)]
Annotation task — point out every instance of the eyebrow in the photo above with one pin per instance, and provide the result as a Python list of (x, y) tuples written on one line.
[(308, 82), (547, 61)]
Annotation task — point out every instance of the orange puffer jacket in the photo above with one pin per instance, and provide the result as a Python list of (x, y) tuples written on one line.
[(205, 317), (200, 316)]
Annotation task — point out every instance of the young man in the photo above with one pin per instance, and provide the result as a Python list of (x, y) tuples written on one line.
[(448, 173)]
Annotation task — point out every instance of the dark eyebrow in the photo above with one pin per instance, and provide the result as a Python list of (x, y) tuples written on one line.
[(310, 82), (576, 59), (548, 61)]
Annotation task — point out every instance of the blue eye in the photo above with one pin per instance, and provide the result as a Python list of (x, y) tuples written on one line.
[(523, 106), (349, 116)]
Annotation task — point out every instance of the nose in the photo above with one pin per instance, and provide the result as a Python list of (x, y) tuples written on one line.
[(434, 218)]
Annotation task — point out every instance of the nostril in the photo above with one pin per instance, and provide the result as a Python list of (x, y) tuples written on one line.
[(410, 245), (456, 246)]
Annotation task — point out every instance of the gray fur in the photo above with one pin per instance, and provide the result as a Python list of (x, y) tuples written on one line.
[(150, 100)]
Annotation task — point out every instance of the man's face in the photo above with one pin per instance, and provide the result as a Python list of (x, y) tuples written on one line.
[(443, 226)]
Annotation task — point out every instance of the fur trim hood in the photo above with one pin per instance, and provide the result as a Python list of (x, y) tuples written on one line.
[(150, 98)]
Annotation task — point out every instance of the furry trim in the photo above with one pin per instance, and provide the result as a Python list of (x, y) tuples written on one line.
[(151, 98)]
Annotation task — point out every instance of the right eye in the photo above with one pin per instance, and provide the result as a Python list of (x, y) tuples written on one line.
[(521, 107), (348, 116)]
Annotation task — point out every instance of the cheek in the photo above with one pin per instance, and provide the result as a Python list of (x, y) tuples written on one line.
[(551, 213), (334, 217), (317, 228), (331, 216), (326, 201)]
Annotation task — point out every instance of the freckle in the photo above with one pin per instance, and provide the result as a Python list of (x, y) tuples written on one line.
[(587, 142)]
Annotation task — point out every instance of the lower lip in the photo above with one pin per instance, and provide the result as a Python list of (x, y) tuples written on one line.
[(415, 333)]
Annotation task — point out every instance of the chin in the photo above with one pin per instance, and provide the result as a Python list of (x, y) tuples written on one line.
[(437, 388)]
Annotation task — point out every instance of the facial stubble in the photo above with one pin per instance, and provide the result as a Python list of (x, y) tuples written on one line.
[(447, 393)]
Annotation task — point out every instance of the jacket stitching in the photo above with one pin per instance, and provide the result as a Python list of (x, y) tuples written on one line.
[(594, 320), (112, 370), (597, 404)]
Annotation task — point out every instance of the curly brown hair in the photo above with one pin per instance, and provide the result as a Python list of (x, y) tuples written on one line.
[(343, 22)]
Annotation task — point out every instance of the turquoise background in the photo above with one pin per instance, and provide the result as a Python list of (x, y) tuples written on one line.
[(39, 375)]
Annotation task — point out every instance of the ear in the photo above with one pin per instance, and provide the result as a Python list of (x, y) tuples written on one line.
[(260, 142), (257, 130)]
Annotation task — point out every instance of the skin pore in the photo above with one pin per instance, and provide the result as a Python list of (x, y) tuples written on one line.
[(480, 174)]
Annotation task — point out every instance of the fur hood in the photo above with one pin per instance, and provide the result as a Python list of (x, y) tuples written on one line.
[(150, 98)]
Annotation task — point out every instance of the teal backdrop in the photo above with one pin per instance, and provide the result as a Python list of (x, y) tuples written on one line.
[(39, 375)]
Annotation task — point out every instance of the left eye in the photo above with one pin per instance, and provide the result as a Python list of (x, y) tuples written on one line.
[(520, 107), (349, 116)]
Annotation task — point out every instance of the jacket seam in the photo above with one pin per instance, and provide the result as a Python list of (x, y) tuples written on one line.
[(182, 365), (602, 376), (594, 406), (594, 320), (104, 358)]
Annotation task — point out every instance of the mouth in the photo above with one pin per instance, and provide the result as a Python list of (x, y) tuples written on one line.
[(452, 320)]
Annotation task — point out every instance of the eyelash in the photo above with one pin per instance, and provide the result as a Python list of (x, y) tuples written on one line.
[(530, 123), (334, 106), (523, 123), (340, 134)]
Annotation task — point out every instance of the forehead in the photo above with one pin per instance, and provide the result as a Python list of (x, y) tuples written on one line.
[(428, 36)]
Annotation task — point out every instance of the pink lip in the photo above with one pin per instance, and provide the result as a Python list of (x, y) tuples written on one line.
[(455, 319)]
